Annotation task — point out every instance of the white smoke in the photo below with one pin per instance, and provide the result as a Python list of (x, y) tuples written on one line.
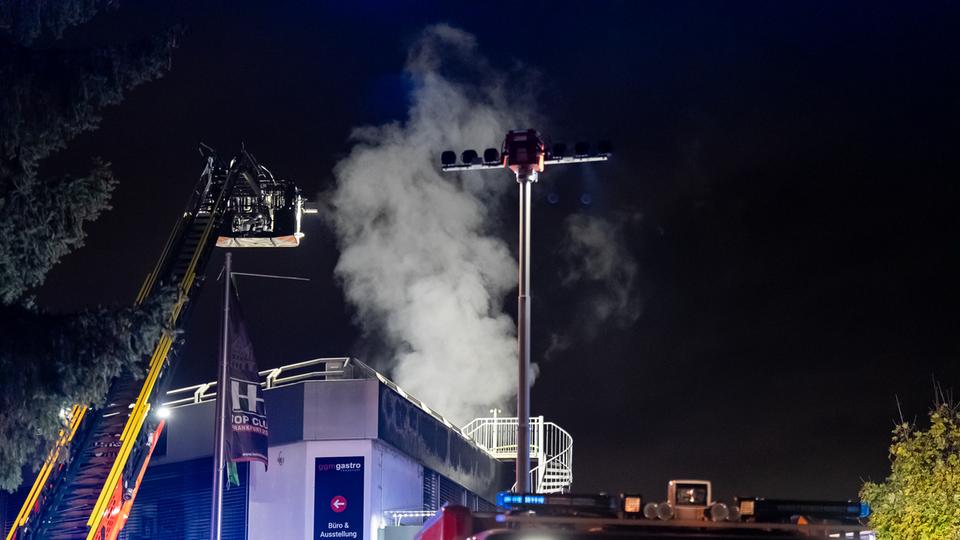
[(418, 261), (597, 252), (598, 263)]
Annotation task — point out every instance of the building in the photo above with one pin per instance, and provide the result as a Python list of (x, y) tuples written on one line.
[(351, 456)]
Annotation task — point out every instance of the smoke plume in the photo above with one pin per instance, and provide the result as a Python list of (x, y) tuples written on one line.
[(597, 262), (418, 261)]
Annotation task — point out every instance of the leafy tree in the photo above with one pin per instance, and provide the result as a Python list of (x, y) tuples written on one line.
[(921, 498), (49, 95), (50, 362), (24, 21)]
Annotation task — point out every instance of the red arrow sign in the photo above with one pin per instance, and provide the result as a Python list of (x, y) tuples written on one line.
[(338, 504)]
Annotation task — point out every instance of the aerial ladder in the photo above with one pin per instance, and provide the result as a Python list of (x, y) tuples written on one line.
[(88, 483)]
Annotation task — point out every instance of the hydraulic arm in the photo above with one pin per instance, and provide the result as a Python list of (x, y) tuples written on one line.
[(86, 487)]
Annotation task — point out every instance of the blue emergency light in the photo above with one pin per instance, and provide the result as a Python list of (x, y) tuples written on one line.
[(558, 503), (506, 499)]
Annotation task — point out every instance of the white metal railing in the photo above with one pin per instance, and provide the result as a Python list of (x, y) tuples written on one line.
[(550, 446), (332, 368), (499, 435)]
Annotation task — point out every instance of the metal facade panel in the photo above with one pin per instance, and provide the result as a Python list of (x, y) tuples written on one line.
[(188, 434), (189, 431), (397, 481), (312, 410), (285, 413), (409, 428), (339, 409)]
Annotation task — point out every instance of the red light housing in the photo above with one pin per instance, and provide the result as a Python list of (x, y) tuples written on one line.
[(451, 523), (523, 148)]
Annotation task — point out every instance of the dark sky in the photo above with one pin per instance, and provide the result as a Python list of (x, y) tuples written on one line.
[(794, 164)]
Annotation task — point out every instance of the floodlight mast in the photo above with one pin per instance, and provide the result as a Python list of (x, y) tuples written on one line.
[(524, 153)]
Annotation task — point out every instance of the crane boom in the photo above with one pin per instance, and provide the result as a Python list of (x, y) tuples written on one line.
[(89, 494)]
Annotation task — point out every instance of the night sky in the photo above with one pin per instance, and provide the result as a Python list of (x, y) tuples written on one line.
[(789, 169)]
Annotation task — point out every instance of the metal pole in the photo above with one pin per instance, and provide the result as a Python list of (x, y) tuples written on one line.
[(220, 430), (496, 430), (525, 178)]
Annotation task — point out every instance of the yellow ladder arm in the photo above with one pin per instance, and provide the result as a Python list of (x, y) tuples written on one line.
[(142, 406), (66, 435)]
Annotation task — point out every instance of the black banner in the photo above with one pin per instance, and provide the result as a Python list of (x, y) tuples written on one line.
[(247, 432)]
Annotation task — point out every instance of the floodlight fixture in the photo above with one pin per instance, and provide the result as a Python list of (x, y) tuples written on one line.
[(523, 152)]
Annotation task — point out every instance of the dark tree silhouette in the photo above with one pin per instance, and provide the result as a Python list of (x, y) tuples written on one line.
[(48, 96), (24, 21)]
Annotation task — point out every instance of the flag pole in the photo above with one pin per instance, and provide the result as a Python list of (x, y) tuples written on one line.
[(221, 404)]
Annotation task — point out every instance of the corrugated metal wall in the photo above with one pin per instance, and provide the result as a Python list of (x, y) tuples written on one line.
[(439, 490), (174, 502)]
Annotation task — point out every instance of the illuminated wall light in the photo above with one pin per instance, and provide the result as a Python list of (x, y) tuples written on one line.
[(632, 504)]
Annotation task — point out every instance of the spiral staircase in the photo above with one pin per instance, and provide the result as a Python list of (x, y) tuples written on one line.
[(551, 449)]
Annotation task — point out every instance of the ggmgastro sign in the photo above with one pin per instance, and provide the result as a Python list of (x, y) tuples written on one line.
[(338, 498)]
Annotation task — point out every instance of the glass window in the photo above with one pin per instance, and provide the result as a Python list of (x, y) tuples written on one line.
[(691, 494)]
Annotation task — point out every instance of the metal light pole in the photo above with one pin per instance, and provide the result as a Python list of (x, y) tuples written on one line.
[(526, 176), (216, 521), (524, 153)]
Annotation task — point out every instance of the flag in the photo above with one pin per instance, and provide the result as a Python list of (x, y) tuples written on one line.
[(247, 430), (233, 476)]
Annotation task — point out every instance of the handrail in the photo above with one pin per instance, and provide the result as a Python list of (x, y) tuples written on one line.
[(550, 445), (272, 379)]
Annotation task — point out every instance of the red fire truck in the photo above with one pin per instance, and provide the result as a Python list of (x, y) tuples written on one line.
[(688, 513)]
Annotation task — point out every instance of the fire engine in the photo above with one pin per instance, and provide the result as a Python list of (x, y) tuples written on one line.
[(89, 481), (689, 512)]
